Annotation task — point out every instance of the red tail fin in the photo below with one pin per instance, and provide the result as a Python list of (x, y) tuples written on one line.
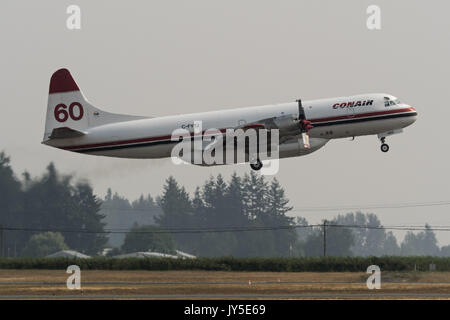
[(62, 81)]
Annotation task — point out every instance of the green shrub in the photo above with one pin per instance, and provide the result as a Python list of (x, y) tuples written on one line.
[(313, 264)]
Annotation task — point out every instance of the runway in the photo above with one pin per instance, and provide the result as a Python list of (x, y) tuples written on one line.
[(160, 283), (234, 296)]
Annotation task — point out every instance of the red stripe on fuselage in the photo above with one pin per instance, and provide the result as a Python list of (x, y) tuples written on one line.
[(120, 142), (362, 115), (161, 138)]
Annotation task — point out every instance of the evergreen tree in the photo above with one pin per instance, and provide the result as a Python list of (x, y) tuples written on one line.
[(375, 236), (430, 245), (86, 216), (144, 203), (237, 217), (391, 247), (409, 243), (421, 244), (11, 203), (115, 202), (254, 189), (254, 199), (52, 202), (198, 219), (175, 204), (368, 241), (277, 207), (176, 211), (216, 214), (215, 202)]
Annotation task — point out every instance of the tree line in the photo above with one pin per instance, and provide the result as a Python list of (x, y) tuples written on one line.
[(49, 202), (240, 217), (250, 202)]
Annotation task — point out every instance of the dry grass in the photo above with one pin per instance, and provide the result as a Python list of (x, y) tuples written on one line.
[(52, 282)]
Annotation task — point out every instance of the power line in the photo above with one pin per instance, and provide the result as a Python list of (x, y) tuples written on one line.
[(341, 208), (404, 228), (374, 206), (228, 229)]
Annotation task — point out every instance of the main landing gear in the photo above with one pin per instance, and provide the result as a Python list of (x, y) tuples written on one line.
[(384, 146), (257, 165)]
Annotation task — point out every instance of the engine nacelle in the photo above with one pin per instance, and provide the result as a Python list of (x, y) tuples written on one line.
[(295, 147), (288, 125)]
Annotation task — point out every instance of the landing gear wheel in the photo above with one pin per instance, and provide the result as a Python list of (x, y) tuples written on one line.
[(256, 166), (385, 147)]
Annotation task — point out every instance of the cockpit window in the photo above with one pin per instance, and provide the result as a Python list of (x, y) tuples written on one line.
[(388, 102)]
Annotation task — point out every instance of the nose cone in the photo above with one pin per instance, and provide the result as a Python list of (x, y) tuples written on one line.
[(413, 117)]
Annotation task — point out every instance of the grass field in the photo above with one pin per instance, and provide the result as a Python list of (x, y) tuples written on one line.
[(209, 284)]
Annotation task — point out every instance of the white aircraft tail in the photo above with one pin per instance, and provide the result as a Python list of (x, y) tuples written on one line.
[(69, 113)]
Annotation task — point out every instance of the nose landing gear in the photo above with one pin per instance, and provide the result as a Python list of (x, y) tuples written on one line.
[(257, 165), (384, 146)]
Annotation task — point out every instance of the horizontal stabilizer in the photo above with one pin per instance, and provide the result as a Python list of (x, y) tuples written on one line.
[(65, 133)]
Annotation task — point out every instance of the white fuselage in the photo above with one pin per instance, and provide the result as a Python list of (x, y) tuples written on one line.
[(331, 119)]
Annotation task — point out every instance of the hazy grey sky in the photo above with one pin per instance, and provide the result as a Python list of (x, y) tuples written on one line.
[(171, 57)]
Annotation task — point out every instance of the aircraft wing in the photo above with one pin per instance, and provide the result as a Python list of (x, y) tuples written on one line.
[(289, 126)]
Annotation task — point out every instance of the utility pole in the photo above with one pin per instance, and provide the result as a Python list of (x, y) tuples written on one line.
[(325, 238)]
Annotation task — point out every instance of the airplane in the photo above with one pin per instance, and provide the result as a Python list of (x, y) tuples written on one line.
[(73, 124)]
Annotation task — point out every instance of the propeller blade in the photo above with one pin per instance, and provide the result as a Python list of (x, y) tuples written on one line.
[(305, 138)]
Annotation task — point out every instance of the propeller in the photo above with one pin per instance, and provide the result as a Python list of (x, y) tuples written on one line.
[(305, 126)]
